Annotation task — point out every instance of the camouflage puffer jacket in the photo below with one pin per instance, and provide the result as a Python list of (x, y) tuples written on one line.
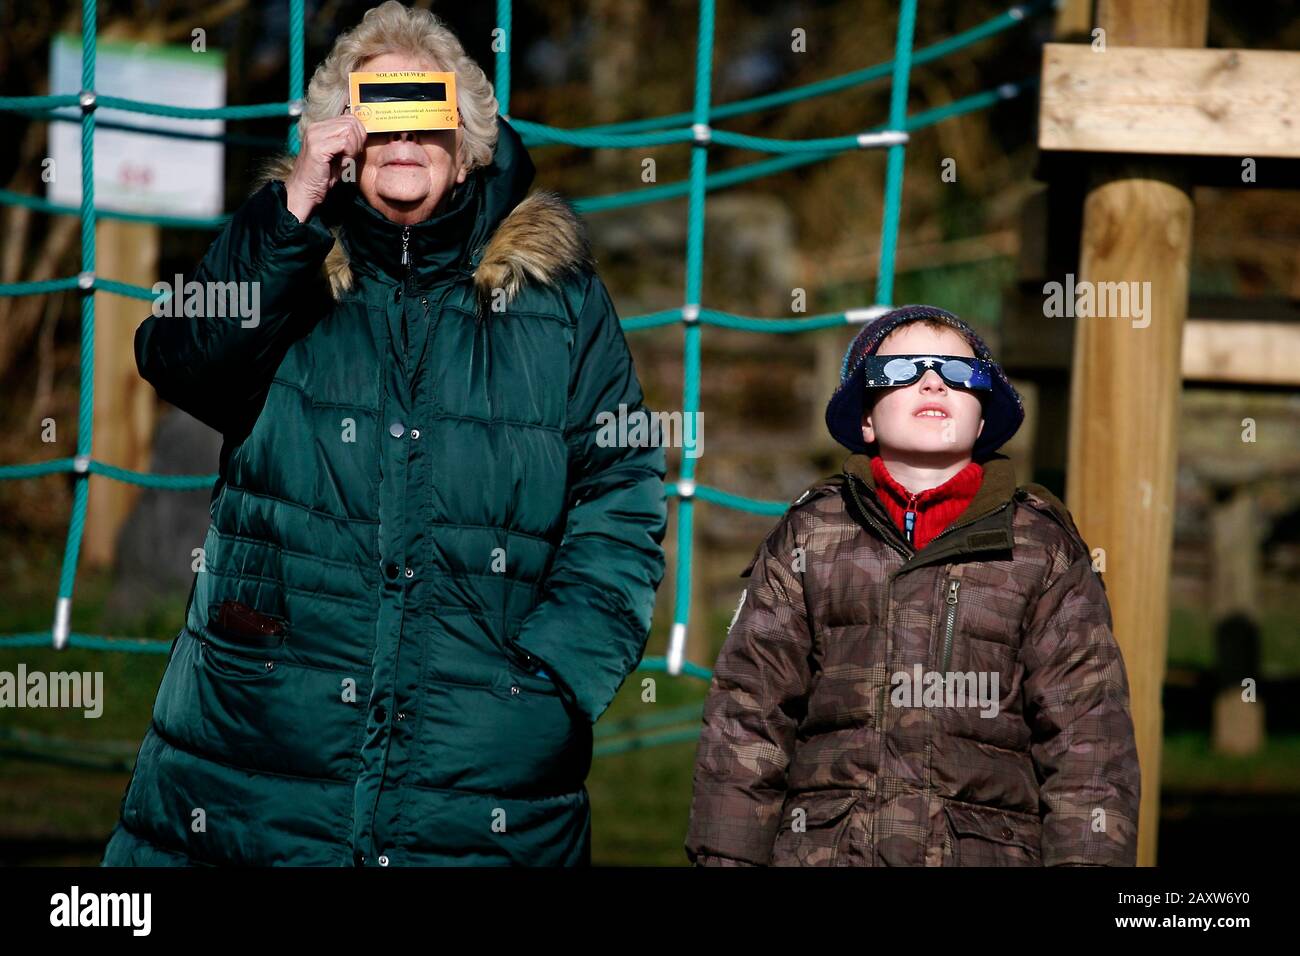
[(813, 754)]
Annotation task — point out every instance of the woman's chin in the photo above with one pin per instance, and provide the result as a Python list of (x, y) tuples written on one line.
[(404, 188)]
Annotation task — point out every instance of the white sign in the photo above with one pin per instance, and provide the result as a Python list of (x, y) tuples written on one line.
[(139, 172)]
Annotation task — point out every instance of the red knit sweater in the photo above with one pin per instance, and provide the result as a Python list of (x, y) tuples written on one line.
[(930, 511)]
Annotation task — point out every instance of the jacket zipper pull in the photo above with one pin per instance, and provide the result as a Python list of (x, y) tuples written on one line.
[(909, 518), (951, 620), (406, 239)]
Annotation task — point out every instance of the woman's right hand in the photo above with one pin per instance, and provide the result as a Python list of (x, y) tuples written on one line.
[(319, 164)]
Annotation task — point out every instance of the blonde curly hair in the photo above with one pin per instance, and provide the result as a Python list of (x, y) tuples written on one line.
[(394, 28)]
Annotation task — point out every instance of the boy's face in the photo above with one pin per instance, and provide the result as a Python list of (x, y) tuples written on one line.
[(895, 420)]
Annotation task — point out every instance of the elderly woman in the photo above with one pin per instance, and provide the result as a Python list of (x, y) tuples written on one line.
[(425, 577)]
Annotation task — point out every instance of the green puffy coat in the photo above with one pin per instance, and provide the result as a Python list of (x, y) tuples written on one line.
[(444, 575)]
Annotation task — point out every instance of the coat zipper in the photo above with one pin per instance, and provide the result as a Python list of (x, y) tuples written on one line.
[(909, 519), (953, 585), (853, 489), (949, 626), (405, 263)]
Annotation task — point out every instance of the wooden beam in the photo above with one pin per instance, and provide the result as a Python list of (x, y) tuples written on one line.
[(1215, 351), (1073, 20), (1169, 102), (1126, 385), (1124, 406), (1161, 23), (1246, 353)]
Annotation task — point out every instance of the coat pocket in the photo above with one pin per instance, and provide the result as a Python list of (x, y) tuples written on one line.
[(240, 642), (243, 627), (813, 829), (242, 664), (983, 836), (527, 672)]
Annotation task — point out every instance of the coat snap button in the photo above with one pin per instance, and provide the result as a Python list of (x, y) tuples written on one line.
[(270, 665), (1007, 833), (415, 433), (514, 690), (409, 573), (383, 860), (397, 429)]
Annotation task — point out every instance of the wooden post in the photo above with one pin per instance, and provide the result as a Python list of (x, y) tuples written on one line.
[(125, 407), (1073, 21), (1126, 389), (1238, 724)]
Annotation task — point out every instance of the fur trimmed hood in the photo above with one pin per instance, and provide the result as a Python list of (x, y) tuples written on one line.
[(541, 239)]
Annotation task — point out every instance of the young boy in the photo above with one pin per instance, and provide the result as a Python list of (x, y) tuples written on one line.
[(921, 671)]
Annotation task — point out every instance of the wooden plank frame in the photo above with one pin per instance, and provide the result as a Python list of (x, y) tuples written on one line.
[(1169, 101)]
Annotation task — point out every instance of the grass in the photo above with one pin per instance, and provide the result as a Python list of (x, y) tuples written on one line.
[(1188, 763), (1191, 640)]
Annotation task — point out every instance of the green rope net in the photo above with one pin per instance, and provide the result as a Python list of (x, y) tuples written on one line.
[(694, 128)]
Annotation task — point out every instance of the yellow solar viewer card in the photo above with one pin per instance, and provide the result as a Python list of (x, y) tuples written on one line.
[(405, 99)]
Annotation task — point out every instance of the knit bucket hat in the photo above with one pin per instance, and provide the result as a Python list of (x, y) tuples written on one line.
[(1003, 408)]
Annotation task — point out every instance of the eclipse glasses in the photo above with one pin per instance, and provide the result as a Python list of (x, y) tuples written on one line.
[(959, 371), (403, 100)]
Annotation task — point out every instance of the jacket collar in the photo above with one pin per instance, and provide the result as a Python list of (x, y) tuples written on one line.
[(962, 484), (516, 239), (984, 525), (437, 248)]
